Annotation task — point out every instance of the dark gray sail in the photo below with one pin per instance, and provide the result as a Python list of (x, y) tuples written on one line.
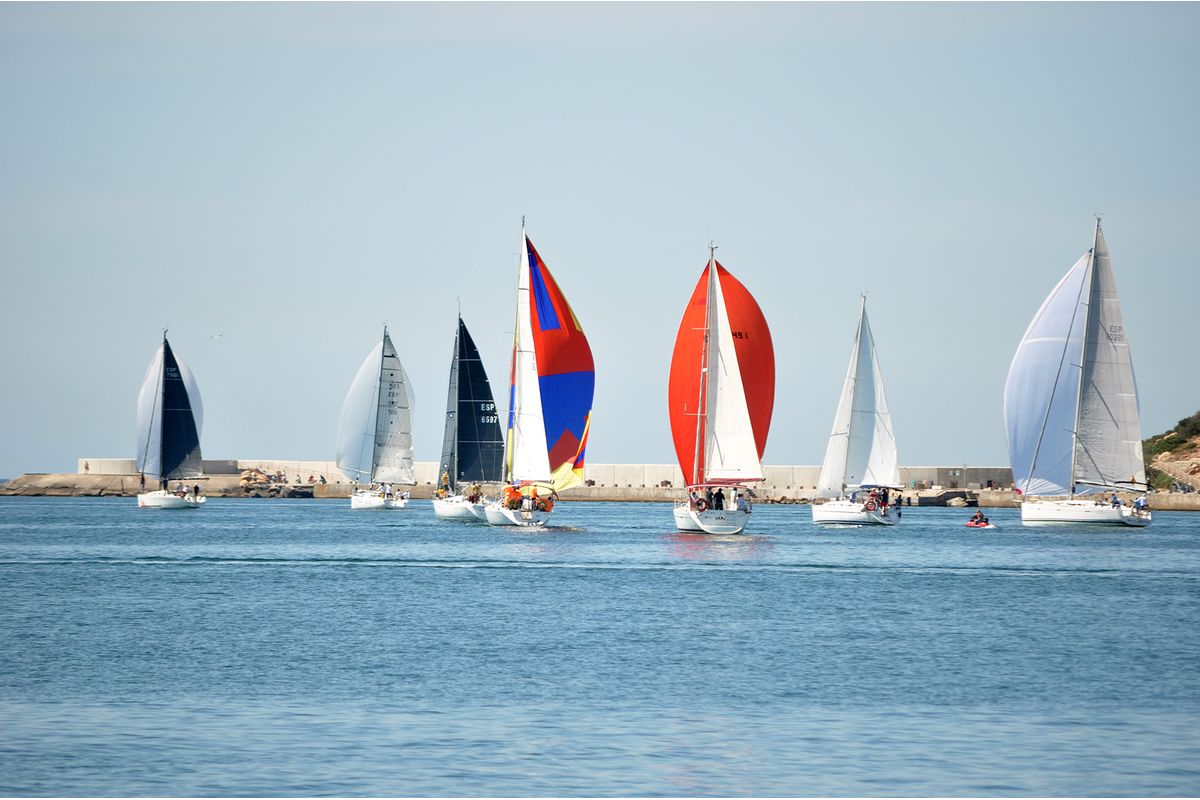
[(473, 446), (180, 439)]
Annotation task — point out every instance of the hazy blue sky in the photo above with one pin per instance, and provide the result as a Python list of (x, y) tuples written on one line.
[(289, 177)]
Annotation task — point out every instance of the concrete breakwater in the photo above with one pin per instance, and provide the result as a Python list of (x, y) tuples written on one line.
[(661, 483)]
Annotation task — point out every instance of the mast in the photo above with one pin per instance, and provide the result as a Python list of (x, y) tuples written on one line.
[(162, 389), (378, 388), (510, 449), (1083, 350), (450, 439), (701, 402)]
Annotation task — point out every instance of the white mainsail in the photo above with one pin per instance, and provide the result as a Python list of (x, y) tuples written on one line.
[(1108, 440), (528, 455), (730, 452), (375, 428), (862, 444), (1070, 401)]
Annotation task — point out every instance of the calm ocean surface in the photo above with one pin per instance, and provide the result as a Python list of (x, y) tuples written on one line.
[(294, 647)]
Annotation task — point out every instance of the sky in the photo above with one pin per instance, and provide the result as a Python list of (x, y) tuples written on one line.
[(274, 182)]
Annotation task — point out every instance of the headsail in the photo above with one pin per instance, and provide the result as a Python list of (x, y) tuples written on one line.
[(862, 444), (473, 447), (722, 385), (375, 428), (170, 417), (552, 382)]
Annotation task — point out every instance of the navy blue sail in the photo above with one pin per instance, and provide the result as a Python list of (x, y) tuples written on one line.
[(169, 419), (473, 445)]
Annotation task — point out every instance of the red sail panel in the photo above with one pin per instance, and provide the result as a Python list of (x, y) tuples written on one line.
[(684, 389), (755, 352), (756, 362)]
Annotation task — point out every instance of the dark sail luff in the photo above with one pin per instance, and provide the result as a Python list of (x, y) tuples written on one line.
[(449, 462), (479, 449), (180, 439)]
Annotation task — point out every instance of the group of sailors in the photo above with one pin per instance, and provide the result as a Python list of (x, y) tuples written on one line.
[(474, 494), (516, 500), (1140, 505), (878, 498), (183, 491), (389, 492), (716, 500)]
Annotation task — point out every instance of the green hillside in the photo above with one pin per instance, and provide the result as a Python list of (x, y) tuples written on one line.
[(1178, 444)]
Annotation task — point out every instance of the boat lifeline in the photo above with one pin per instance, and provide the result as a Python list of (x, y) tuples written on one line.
[(1071, 405), (720, 394), (169, 418), (860, 466), (472, 447), (551, 385), (375, 430)]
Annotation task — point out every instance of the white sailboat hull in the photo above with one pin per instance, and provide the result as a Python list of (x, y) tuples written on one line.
[(723, 521), (169, 501), (853, 512), (1040, 512), (458, 507), (499, 515), (361, 500)]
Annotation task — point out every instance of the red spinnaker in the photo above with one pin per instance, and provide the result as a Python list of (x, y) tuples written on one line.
[(756, 361)]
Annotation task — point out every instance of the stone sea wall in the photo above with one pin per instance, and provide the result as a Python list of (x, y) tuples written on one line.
[(266, 478)]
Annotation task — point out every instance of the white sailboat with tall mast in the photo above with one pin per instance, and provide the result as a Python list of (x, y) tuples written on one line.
[(720, 395), (1071, 405), (473, 446), (860, 467), (375, 431), (169, 419)]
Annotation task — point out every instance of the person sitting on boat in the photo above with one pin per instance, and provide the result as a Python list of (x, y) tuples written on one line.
[(181, 490), (979, 519), (512, 497), (739, 502), (1116, 501), (548, 503), (535, 502)]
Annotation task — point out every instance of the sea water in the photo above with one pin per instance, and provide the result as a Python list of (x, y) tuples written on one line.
[(290, 647)]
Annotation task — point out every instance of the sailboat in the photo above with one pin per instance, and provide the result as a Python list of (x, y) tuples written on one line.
[(473, 447), (375, 430), (551, 384), (1071, 405), (721, 394), (169, 418), (860, 466)]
